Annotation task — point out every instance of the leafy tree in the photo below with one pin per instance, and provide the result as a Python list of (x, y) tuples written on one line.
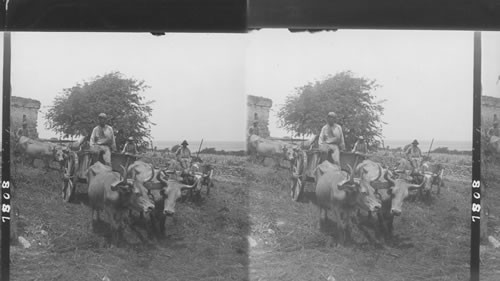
[(304, 112), (75, 110)]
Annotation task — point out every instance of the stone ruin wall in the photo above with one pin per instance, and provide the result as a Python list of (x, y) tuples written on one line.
[(258, 109), (23, 106)]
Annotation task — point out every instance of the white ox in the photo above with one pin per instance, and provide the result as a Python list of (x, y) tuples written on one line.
[(278, 150), (341, 194), (116, 195), (34, 149)]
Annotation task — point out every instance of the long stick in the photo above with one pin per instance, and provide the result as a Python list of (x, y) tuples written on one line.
[(429, 152), (199, 148)]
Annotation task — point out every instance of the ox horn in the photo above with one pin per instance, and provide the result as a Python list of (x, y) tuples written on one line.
[(184, 187), (388, 178), (340, 185), (161, 178), (417, 186), (152, 173), (351, 173), (124, 177)]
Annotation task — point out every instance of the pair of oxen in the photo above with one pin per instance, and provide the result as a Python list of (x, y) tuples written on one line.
[(374, 191), (141, 188)]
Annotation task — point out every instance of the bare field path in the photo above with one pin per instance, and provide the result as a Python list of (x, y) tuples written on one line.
[(206, 241), (286, 244)]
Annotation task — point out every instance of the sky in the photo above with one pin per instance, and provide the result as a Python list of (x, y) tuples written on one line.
[(425, 76), (490, 63), (200, 81), (197, 80)]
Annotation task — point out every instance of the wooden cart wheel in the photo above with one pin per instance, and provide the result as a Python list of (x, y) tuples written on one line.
[(296, 189), (68, 184), (296, 186), (68, 190)]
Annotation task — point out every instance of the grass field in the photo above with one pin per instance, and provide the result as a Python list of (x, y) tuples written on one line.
[(247, 229), (490, 257), (206, 241), (434, 244)]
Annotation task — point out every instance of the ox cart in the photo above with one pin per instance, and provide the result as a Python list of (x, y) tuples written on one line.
[(77, 163), (199, 174), (304, 165)]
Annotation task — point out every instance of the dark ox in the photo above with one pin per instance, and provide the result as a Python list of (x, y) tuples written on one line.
[(203, 173), (34, 149), (433, 175), (340, 193), (392, 198), (116, 195), (165, 192), (371, 171)]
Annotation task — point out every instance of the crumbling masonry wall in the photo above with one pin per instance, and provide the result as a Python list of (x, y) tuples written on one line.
[(258, 109), (20, 107)]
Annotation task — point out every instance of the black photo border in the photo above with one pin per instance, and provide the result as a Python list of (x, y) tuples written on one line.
[(239, 16)]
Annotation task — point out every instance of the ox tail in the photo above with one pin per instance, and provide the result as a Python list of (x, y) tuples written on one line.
[(90, 174)]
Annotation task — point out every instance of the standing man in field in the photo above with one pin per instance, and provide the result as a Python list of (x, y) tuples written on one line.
[(183, 155), (360, 146), (130, 146), (103, 139), (331, 138), (414, 155)]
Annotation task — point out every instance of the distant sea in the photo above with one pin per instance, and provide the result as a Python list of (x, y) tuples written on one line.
[(194, 145), (424, 144)]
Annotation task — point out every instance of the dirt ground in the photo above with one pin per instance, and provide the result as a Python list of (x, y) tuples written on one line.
[(205, 241), (247, 229), (490, 257), (433, 244)]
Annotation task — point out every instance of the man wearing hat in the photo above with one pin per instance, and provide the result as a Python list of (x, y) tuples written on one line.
[(130, 146), (23, 131), (360, 146), (255, 129), (183, 155), (414, 154), (103, 139), (331, 138)]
